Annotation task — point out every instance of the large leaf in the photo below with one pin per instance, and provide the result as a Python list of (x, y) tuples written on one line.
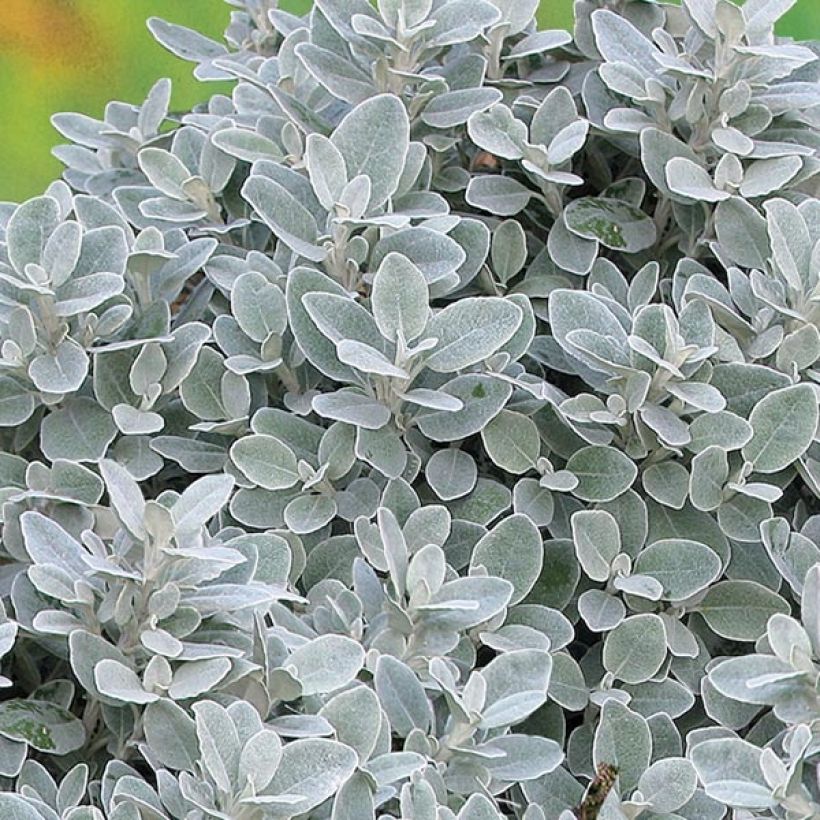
[(374, 139), (471, 330), (399, 298), (512, 550), (288, 218), (615, 224), (45, 726), (784, 424)]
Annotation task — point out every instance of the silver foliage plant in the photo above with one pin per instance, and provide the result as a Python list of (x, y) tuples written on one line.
[(426, 429)]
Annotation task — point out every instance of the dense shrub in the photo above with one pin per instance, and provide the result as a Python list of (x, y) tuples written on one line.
[(426, 430)]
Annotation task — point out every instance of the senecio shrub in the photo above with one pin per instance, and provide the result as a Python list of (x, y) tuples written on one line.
[(426, 430)]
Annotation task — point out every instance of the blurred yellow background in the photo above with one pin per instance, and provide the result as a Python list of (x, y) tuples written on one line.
[(75, 55)]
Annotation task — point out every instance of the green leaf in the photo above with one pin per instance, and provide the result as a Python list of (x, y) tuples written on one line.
[(63, 371), (710, 470), (399, 298), (683, 567), (402, 696), (290, 221), (29, 229), (691, 182), (745, 385), (511, 440), (512, 550), (326, 168), (165, 171), (374, 139), (45, 726), (265, 461), (498, 132), (125, 497), (16, 405), (482, 396), (615, 224), (509, 249), (14, 807), (741, 231), (451, 473), (784, 424), (517, 684), (319, 349), (667, 483), (597, 540), (309, 512), (601, 611), (658, 148), (731, 772), (352, 407), (437, 255), (740, 610), (326, 663), (120, 683), (200, 501), (342, 78), (724, 430), (622, 740), (603, 473), (246, 145), (572, 310), (341, 319), (357, 717), (455, 107), (471, 330), (459, 21), (171, 733), (500, 195), (258, 306), (367, 359), (311, 769), (668, 784), (636, 648), (80, 431)]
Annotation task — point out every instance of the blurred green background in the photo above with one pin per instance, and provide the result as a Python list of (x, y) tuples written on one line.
[(75, 55)]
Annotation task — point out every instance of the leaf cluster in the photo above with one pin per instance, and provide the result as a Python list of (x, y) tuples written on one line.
[(425, 429)]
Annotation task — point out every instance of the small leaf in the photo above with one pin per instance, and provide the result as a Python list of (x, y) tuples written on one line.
[(690, 181), (603, 473), (622, 740), (682, 566), (64, 371), (119, 682), (289, 220), (265, 461), (451, 473), (636, 648), (80, 431), (668, 784), (399, 298), (326, 663), (498, 132), (597, 540), (201, 501), (512, 442), (402, 696), (500, 195)]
